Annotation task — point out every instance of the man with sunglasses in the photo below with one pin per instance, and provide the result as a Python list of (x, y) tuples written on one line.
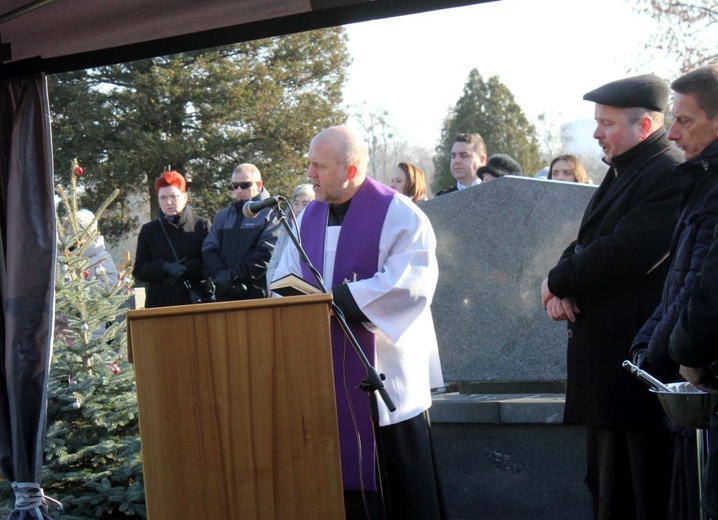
[(237, 250)]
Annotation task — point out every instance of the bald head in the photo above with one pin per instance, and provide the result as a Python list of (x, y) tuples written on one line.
[(250, 170), (337, 164), (347, 145), (246, 182)]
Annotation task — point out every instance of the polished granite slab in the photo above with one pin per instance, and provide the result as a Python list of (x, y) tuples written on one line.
[(495, 244)]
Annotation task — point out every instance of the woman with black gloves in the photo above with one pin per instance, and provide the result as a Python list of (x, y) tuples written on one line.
[(169, 249)]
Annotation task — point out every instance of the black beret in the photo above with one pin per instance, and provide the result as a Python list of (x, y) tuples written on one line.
[(646, 91), (499, 165)]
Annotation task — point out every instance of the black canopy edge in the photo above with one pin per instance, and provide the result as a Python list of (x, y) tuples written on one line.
[(318, 19)]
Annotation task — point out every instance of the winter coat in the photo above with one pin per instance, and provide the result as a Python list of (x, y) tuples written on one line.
[(239, 248), (694, 343), (153, 249), (101, 263), (615, 270), (691, 240)]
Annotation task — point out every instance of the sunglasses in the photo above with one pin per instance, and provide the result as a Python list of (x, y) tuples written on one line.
[(242, 185)]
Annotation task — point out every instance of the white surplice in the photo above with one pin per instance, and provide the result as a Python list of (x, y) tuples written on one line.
[(397, 301)]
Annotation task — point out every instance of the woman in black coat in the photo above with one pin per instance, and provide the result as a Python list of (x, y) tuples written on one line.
[(169, 249)]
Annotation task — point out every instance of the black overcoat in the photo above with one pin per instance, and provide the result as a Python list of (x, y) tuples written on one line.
[(615, 270), (187, 236)]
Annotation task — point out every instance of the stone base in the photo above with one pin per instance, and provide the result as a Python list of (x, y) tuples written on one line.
[(509, 457)]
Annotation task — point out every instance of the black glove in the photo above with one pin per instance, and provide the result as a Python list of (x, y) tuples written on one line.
[(174, 269), (237, 292), (639, 358), (223, 281)]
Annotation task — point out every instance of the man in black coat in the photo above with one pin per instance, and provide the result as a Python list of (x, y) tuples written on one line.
[(606, 285), (694, 340)]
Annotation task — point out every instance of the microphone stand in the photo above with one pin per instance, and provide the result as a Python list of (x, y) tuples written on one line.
[(374, 380)]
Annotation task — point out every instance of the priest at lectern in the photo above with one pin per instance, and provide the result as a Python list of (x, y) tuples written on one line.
[(376, 252)]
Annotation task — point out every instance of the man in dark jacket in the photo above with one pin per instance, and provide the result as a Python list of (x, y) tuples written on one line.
[(468, 154), (237, 250), (694, 339), (606, 284), (695, 130)]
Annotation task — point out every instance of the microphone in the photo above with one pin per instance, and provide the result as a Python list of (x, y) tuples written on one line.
[(251, 209)]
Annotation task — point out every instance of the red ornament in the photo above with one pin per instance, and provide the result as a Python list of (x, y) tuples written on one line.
[(114, 368), (79, 171), (85, 274)]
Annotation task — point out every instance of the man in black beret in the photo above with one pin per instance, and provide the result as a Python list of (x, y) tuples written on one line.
[(497, 166), (606, 284)]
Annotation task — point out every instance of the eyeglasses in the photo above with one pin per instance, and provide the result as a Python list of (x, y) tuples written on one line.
[(242, 185), (173, 198)]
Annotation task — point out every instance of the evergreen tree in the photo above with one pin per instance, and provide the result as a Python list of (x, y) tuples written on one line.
[(201, 113), (92, 452), (487, 108)]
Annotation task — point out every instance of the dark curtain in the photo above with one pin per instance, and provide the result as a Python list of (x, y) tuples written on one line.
[(27, 275)]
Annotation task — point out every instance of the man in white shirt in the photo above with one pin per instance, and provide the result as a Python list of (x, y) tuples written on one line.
[(375, 249)]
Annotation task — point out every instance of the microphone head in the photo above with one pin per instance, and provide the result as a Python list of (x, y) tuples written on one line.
[(247, 210), (252, 208)]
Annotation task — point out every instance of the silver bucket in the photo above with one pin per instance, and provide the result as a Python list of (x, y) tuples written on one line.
[(690, 407), (686, 405)]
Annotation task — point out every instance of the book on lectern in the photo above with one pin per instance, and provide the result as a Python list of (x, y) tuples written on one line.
[(292, 285)]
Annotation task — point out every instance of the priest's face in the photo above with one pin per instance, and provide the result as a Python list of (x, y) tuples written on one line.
[(328, 171)]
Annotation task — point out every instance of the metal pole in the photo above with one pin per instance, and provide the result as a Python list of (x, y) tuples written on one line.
[(10, 15), (702, 453)]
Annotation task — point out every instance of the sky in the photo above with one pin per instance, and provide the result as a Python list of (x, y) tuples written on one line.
[(548, 53)]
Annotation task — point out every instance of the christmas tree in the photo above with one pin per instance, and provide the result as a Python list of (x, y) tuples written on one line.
[(92, 454)]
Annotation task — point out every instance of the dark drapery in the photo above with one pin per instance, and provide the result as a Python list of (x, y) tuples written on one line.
[(27, 273)]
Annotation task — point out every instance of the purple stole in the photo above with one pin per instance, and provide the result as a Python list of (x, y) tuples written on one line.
[(357, 258)]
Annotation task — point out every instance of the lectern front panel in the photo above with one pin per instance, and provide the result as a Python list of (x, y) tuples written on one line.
[(237, 413)]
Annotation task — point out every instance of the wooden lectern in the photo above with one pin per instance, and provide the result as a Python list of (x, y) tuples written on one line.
[(237, 410)]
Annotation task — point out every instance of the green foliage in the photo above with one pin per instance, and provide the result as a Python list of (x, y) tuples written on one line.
[(201, 113), (92, 451), (487, 107)]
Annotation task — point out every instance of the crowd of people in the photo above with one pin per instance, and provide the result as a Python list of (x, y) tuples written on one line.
[(637, 283)]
